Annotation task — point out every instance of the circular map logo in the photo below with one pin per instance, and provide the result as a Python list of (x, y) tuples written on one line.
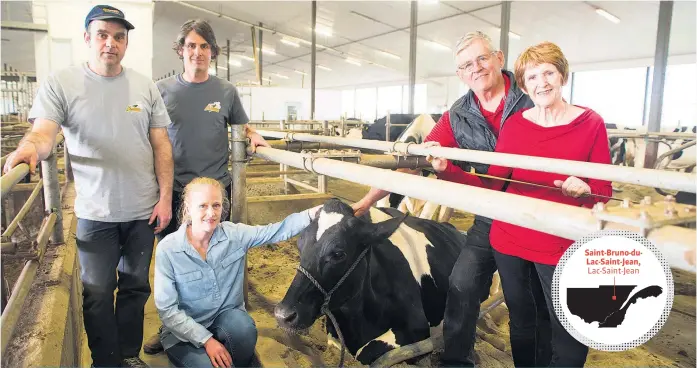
[(612, 290)]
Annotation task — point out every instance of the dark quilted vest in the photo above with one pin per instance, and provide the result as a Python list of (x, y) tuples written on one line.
[(472, 130)]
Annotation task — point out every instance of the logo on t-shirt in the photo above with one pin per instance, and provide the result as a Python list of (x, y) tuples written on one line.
[(213, 107), (134, 108)]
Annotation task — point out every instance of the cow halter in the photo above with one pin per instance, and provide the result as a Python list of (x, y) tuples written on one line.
[(327, 296)]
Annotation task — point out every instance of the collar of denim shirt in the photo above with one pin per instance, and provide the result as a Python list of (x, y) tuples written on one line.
[(183, 243)]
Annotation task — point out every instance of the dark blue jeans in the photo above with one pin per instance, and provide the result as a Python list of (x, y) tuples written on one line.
[(516, 278), (470, 282), (105, 249), (234, 328)]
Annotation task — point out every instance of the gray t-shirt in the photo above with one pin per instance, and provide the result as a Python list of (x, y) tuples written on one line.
[(200, 115), (106, 122)]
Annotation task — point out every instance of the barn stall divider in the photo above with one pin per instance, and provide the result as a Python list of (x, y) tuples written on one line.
[(51, 229), (630, 175)]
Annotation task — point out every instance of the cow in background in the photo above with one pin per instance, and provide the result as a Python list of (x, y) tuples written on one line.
[(416, 132), (395, 294), (376, 131)]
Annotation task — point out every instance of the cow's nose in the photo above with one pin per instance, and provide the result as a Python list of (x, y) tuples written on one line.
[(285, 315)]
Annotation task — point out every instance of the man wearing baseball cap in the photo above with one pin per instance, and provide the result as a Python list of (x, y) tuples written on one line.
[(115, 126)]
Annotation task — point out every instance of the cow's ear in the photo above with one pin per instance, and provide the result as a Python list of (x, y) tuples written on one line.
[(382, 230)]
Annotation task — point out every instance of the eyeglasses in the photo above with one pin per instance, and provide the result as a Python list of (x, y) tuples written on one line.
[(482, 60)]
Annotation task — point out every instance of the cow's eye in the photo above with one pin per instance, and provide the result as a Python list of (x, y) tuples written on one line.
[(338, 255)]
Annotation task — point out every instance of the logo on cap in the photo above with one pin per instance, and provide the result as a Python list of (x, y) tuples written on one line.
[(111, 11)]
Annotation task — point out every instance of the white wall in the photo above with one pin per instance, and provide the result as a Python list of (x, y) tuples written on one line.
[(270, 103), (442, 92), (65, 43)]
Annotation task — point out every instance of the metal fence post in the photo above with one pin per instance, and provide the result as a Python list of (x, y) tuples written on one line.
[(283, 167), (67, 166), (238, 200), (52, 196)]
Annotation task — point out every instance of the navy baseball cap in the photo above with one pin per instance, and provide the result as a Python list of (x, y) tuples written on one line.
[(103, 12)]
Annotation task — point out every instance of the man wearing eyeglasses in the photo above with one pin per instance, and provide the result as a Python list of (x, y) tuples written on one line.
[(474, 122)]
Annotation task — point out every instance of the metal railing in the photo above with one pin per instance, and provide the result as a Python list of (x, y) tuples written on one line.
[(630, 175), (558, 219), (51, 229), (18, 91)]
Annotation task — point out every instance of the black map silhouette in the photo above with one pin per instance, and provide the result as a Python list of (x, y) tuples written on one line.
[(596, 304)]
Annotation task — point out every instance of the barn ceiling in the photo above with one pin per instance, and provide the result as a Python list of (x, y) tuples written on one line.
[(375, 35)]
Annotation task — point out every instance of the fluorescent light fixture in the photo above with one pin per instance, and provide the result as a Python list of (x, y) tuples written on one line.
[(603, 13), (379, 65), (437, 45), (389, 54), (290, 42), (268, 51), (246, 57), (324, 68), (280, 76), (351, 61), (322, 30), (234, 62), (222, 67), (266, 79), (299, 72)]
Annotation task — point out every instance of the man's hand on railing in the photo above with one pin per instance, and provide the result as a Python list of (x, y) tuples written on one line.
[(25, 153)]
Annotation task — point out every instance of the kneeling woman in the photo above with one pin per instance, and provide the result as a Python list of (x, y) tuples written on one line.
[(199, 272)]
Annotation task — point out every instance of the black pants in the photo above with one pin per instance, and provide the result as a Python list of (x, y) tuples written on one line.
[(177, 202), (470, 282), (516, 278), (105, 248)]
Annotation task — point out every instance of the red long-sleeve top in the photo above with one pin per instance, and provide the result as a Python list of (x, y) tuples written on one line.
[(584, 139)]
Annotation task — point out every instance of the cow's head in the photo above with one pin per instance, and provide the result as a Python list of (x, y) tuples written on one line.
[(329, 247)]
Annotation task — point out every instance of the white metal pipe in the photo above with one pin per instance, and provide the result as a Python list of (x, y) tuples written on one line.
[(616, 133), (569, 222), (631, 175), (302, 185), (23, 211), (13, 177)]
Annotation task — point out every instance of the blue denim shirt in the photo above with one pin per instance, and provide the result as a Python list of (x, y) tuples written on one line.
[(190, 292)]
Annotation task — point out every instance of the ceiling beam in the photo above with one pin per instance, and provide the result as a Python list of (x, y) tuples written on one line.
[(333, 48), (23, 26)]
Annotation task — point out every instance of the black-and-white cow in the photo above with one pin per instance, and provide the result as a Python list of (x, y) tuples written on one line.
[(376, 131), (396, 293)]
